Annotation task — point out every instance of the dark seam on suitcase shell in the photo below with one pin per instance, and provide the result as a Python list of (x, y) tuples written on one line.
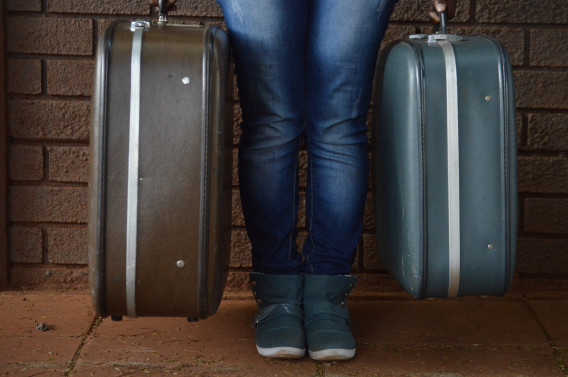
[(102, 170), (504, 97), (203, 272), (421, 95)]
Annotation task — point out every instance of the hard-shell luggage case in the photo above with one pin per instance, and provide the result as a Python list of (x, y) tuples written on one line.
[(160, 171), (445, 165)]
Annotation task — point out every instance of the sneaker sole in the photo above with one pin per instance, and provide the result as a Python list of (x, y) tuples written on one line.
[(333, 354), (282, 352)]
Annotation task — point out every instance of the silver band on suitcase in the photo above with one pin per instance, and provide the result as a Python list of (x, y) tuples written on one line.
[(133, 156), (453, 167)]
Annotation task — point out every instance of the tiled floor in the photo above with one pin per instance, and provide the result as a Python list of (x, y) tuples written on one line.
[(518, 335)]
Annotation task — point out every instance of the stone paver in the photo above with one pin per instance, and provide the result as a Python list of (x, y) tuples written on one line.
[(220, 345), (395, 337), (442, 322), (24, 350), (448, 361), (554, 317)]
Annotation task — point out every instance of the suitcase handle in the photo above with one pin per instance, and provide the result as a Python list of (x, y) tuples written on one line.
[(442, 27), (443, 23), (162, 11)]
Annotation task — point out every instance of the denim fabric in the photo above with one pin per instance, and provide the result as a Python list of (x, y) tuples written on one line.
[(305, 70)]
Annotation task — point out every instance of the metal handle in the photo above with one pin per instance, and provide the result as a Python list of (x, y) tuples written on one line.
[(163, 11), (443, 23)]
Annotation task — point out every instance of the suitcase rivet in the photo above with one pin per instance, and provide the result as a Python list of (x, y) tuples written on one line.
[(490, 246), (488, 98), (180, 264), (186, 80)]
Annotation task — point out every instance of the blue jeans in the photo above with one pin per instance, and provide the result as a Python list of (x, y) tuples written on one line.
[(305, 70)]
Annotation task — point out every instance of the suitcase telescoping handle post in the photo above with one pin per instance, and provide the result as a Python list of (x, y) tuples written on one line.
[(162, 11), (443, 23), (442, 27)]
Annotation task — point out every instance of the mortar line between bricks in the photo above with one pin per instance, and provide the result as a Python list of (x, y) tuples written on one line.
[(541, 111), (50, 143), (472, 23), (50, 184), (73, 363), (558, 358)]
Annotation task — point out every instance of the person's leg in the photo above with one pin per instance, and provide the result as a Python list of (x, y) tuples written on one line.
[(343, 42), (268, 39)]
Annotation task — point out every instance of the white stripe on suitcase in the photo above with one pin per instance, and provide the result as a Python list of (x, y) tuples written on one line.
[(453, 168), (133, 154)]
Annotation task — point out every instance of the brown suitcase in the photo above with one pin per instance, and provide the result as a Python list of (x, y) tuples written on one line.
[(160, 170)]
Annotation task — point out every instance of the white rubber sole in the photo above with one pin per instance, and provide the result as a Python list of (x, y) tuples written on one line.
[(332, 354), (282, 352)]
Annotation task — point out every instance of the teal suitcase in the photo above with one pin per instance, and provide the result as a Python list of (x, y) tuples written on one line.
[(444, 148)]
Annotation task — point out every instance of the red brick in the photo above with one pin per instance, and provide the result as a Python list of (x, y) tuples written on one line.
[(141, 7), (26, 245), (548, 48), (301, 240), (541, 89), (412, 10), (519, 122), (41, 35), (48, 204), (303, 169), (24, 76), (396, 33), (538, 255), (237, 120), (70, 77), (42, 119), (26, 163), (202, 8), (302, 221), (235, 167), (238, 281), (23, 5), (369, 215), (547, 216), (372, 283), (522, 11), (513, 39), (370, 253), (240, 249), (67, 245), (49, 277), (103, 24), (547, 131), (547, 175), (237, 218), (68, 164)]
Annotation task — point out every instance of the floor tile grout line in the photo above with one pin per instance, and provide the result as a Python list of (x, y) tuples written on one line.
[(558, 358), (320, 369), (93, 326)]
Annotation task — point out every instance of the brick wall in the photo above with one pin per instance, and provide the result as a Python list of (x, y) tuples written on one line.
[(50, 48)]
